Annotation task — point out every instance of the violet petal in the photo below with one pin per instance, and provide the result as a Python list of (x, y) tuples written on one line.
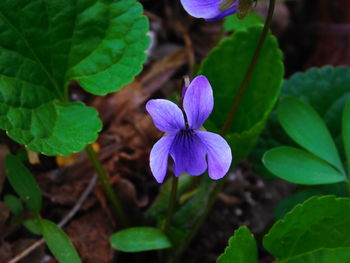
[(207, 9), (166, 115), (188, 153), (159, 157), (218, 153), (198, 102)]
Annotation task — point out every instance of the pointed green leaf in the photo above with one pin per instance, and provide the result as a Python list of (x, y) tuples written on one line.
[(320, 222), (23, 183), (59, 243), (241, 248), (303, 124), (138, 239), (326, 89), (225, 68), (300, 167), (337, 255), (14, 204), (346, 132), (46, 44)]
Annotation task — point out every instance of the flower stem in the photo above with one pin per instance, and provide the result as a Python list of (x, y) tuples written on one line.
[(250, 70), (107, 187), (229, 119), (172, 203)]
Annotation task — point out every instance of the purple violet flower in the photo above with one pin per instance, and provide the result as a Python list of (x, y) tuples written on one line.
[(192, 150), (210, 10)]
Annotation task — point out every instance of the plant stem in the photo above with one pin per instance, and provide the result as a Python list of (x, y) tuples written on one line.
[(172, 203), (218, 186), (107, 187), (250, 69)]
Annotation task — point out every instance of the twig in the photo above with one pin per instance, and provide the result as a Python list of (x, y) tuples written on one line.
[(64, 221)]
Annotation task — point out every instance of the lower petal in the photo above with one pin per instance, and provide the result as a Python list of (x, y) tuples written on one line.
[(188, 153), (219, 154), (159, 157)]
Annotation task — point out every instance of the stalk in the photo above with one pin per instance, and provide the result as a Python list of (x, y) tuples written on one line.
[(107, 187), (172, 204)]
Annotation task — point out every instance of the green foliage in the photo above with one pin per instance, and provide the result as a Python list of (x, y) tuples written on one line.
[(338, 255), (325, 89), (49, 43), (302, 123), (225, 68), (241, 248), (14, 204), (300, 167), (160, 205), (138, 239), (33, 225), (59, 243), (233, 23), (23, 183), (320, 222), (346, 132)]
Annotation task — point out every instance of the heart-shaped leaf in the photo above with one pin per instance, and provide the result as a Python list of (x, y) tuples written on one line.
[(302, 123), (320, 222), (138, 239), (233, 23), (225, 68), (45, 45), (338, 255), (23, 183), (241, 248), (300, 167)]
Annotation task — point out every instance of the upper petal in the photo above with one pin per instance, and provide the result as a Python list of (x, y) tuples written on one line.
[(218, 152), (159, 157), (207, 9), (198, 102), (166, 115), (188, 153)]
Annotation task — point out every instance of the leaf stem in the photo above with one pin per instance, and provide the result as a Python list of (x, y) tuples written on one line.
[(107, 187), (172, 203), (218, 186)]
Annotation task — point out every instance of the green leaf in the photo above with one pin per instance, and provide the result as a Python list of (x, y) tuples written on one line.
[(44, 46), (160, 205), (59, 243), (138, 239), (23, 183), (302, 123), (338, 255), (325, 89), (241, 248), (291, 201), (33, 225), (233, 23), (300, 167), (346, 132), (320, 222), (14, 204), (225, 68)]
